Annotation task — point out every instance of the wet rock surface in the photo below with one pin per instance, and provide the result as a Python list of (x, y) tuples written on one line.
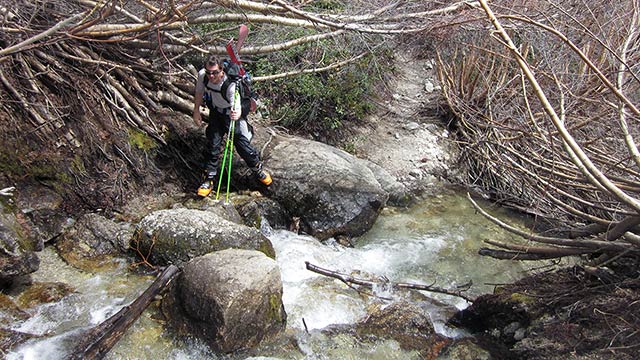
[(17, 256), (403, 322), (94, 238)]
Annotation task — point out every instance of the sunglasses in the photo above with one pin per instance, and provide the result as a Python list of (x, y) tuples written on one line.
[(214, 72)]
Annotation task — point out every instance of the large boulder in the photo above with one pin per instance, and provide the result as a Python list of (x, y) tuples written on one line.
[(332, 192), (175, 236), (231, 299)]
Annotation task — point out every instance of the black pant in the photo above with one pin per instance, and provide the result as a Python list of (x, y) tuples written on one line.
[(217, 128)]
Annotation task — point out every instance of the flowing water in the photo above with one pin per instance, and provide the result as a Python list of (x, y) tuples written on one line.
[(435, 242)]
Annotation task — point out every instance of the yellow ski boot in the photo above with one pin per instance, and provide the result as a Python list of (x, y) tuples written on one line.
[(264, 177), (205, 189), (261, 175)]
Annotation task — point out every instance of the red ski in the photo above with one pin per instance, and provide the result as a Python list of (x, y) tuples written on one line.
[(232, 50)]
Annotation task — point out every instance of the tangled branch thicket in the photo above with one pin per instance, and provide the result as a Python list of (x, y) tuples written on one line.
[(89, 87), (549, 123)]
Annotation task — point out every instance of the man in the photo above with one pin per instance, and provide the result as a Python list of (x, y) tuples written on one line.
[(212, 82)]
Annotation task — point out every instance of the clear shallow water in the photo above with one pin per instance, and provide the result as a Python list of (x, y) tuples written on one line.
[(435, 242)]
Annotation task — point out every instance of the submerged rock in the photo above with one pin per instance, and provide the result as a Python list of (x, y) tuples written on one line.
[(10, 312), (42, 293), (10, 339)]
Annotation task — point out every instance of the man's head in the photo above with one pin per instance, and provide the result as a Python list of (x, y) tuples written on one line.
[(213, 70)]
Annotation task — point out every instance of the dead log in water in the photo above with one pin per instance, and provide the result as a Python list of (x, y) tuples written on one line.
[(351, 280), (98, 341)]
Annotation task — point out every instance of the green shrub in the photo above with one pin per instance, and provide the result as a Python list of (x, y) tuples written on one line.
[(318, 103)]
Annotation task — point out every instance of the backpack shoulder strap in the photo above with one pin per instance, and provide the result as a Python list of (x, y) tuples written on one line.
[(222, 91), (224, 88)]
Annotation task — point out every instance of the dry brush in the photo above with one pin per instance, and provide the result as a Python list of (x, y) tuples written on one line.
[(545, 95)]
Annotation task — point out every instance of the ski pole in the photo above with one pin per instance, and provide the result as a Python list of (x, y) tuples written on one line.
[(237, 108), (231, 135), (224, 161)]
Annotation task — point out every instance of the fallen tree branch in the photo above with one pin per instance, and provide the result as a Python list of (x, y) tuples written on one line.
[(574, 243), (31, 40), (549, 251), (517, 255), (349, 280), (310, 71), (98, 341)]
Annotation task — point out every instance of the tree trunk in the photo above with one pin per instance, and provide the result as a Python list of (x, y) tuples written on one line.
[(97, 342)]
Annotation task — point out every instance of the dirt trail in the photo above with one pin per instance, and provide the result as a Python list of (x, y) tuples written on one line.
[(404, 138)]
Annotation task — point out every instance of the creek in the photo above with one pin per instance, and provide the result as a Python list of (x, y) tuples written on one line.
[(433, 242)]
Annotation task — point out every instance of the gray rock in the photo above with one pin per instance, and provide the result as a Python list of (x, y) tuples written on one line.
[(254, 210), (42, 214), (429, 64), (411, 126), (94, 237), (428, 86), (520, 334), (176, 236), (331, 191), (231, 299), (402, 321), (224, 210), (511, 328), (466, 349), (416, 173)]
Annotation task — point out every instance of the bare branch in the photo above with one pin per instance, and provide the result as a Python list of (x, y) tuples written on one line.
[(22, 45), (348, 279), (592, 244), (577, 154), (310, 71)]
